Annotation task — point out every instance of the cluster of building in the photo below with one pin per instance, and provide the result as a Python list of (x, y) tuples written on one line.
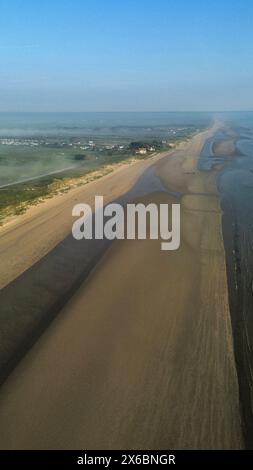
[(145, 150), (17, 142)]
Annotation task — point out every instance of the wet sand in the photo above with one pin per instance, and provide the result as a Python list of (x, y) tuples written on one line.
[(142, 354), (236, 188), (226, 147)]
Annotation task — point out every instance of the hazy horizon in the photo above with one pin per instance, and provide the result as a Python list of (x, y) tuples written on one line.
[(189, 111)]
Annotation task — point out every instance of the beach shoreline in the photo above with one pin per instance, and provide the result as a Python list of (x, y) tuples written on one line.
[(126, 348)]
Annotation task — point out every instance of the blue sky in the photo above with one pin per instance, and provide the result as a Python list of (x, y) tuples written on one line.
[(126, 55)]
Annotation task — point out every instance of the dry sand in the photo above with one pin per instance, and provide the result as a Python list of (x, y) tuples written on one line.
[(142, 355)]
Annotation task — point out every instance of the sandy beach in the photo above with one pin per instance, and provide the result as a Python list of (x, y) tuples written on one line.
[(140, 356)]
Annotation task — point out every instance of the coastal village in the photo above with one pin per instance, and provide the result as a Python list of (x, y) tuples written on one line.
[(135, 147)]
